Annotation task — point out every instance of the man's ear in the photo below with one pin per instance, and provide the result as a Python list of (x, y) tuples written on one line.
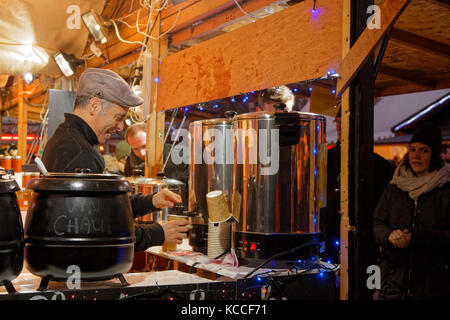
[(94, 106)]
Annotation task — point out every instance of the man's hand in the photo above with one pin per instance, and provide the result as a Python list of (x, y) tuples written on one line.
[(165, 199), (175, 231), (400, 239)]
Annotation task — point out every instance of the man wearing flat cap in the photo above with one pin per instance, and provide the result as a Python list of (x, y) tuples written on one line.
[(100, 108)]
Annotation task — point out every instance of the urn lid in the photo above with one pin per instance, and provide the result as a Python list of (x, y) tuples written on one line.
[(80, 182)]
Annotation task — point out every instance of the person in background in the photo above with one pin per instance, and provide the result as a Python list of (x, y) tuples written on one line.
[(12, 150), (332, 218), (101, 105), (412, 223), (136, 138), (116, 164), (122, 153), (268, 98), (445, 152)]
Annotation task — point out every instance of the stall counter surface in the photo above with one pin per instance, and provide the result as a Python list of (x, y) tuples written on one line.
[(28, 283), (227, 267)]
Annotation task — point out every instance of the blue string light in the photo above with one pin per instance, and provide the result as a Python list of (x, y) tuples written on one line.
[(337, 242), (233, 99), (333, 91), (310, 89), (156, 80), (216, 106)]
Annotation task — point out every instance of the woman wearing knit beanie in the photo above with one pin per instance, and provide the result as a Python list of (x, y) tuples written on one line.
[(412, 223)]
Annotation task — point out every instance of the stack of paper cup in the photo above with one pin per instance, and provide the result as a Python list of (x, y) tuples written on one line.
[(219, 238)]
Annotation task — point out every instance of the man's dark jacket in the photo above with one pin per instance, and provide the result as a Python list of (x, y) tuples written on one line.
[(72, 147), (428, 254)]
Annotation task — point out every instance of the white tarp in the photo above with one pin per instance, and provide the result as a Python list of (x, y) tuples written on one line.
[(32, 30)]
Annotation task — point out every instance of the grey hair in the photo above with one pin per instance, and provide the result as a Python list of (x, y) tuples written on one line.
[(83, 101)]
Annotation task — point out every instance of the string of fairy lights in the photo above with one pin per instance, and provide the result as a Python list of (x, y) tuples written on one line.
[(215, 105)]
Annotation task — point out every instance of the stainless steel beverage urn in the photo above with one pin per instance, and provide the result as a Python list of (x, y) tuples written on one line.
[(211, 145), (279, 181), (153, 185)]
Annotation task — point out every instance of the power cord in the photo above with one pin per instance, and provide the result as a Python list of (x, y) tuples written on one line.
[(277, 255)]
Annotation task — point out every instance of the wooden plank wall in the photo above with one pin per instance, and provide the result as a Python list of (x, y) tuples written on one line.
[(290, 46)]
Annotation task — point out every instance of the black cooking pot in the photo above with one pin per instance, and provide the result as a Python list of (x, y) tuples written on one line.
[(11, 232), (82, 220)]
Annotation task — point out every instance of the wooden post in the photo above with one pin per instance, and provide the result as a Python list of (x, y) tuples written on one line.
[(22, 123), (357, 168), (345, 101), (155, 122)]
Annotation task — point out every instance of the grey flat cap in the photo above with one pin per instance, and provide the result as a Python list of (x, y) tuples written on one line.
[(107, 85)]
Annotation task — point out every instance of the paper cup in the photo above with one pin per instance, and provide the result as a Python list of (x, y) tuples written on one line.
[(219, 238), (168, 247)]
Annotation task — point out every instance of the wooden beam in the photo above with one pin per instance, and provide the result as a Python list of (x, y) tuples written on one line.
[(190, 12), (155, 123), (196, 11), (22, 123), (443, 3), (407, 76), (420, 43), (290, 46), (398, 89), (30, 116), (218, 21), (367, 42)]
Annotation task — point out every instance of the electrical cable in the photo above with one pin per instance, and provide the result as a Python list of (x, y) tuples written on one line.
[(175, 140), (277, 255), (125, 41), (174, 114), (248, 14)]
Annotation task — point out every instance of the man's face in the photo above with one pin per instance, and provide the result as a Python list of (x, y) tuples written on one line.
[(268, 106), (137, 143), (108, 122)]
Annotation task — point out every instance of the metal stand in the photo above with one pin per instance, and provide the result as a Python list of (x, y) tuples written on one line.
[(9, 286), (45, 281), (122, 280)]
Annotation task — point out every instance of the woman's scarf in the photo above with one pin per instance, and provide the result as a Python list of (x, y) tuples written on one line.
[(407, 181)]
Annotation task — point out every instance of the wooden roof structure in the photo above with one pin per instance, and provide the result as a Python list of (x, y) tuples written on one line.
[(417, 57)]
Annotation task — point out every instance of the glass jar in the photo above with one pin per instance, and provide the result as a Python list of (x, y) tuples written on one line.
[(17, 164)]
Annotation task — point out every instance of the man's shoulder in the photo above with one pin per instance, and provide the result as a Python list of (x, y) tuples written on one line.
[(67, 149)]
